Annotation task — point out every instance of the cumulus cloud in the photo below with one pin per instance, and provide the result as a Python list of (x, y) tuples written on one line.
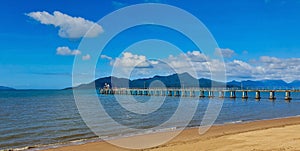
[(201, 66), (238, 69), (66, 51), (132, 65), (131, 60), (266, 67), (267, 59), (141, 65), (69, 27), (287, 69), (196, 56), (86, 57), (226, 53), (194, 63)]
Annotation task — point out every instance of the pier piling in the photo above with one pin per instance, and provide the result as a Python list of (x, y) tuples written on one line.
[(169, 93), (221, 94), (192, 93), (201, 94), (183, 93), (211, 94), (244, 95), (272, 95), (257, 95), (232, 95), (176, 93), (287, 96)]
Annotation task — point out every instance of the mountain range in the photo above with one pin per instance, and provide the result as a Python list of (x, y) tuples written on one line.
[(183, 80), (6, 88), (186, 80)]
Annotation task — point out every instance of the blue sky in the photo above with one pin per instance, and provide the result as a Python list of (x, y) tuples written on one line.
[(259, 39)]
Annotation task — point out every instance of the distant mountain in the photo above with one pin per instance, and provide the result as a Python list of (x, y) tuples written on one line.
[(233, 84), (275, 83), (186, 80), (6, 88), (170, 81), (271, 84), (111, 80), (174, 80), (295, 84)]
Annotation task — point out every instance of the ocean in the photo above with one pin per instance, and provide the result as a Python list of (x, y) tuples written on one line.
[(40, 119)]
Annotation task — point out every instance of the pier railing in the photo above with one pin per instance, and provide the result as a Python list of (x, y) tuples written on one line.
[(191, 92)]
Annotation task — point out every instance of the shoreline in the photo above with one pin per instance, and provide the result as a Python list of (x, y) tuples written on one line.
[(188, 135)]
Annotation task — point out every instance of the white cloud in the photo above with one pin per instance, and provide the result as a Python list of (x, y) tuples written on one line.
[(278, 68), (131, 65), (196, 56), (131, 60), (86, 57), (267, 59), (134, 64), (239, 69), (226, 53), (265, 68), (245, 52), (106, 57), (154, 62), (69, 27), (194, 62), (66, 51)]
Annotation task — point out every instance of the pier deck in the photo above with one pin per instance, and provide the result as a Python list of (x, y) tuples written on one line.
[(192, 92)]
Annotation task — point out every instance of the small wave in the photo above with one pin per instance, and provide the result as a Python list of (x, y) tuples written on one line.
[(166, 129), (149, 131), (19, 149), (55, 145), (234, 122)]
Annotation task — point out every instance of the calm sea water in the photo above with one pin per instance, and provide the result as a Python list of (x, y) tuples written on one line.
[(37, 118)]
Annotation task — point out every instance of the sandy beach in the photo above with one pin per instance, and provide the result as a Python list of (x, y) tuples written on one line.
[(276, 134)]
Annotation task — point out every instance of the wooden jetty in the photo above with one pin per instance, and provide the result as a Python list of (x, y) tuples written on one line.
[(198, 92)]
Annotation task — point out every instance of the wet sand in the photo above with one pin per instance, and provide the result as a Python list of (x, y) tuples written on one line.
[(267, 135)]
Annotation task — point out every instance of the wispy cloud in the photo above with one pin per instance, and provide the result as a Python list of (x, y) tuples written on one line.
[(66, 51), (106, 57), (118, 5), (152, 1), (69, 27), (53, 73), (86, 57), (267, 1), (245, 52), (226, 53)]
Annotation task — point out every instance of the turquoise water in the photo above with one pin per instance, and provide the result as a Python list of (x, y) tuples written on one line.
[(41, 117)]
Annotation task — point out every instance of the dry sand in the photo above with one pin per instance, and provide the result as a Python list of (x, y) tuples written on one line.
[(267, 135)]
